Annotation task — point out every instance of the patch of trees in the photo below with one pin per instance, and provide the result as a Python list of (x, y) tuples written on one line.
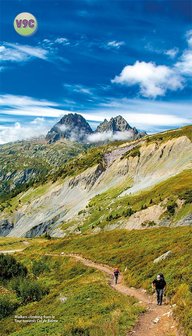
[(15, 275), (10, 267), (126, 213), (171, 208), (7, 306), (187, 196)]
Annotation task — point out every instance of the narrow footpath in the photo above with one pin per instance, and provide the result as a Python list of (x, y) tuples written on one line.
[(156, 321)]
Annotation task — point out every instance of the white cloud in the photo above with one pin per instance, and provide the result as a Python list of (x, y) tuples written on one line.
[(101, 137), (38, 121), (154, 80), (189, 38), (115, 44), (78, 88), (144, 114), (184, 65), (19, 101), (63, 128), (27, 106), (62, 40), (172, 52), (20, 53), (21, 132)]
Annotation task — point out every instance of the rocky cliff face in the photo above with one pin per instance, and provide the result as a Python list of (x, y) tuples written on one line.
[(130, 168), (117, 124), (72, 126)]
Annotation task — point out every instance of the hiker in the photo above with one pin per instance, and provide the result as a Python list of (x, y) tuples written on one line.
[(159, 284), (116, 275)]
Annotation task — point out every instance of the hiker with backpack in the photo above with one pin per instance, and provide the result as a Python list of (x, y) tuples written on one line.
[(159, 284), (116, 275)]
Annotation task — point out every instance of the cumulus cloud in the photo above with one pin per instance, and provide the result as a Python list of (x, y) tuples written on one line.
[(109, 136), (154, 80), (184, 66)]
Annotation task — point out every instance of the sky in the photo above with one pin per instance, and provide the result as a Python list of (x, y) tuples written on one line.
[(98, 58)]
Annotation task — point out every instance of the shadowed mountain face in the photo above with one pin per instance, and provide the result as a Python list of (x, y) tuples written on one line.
[(75, 128), (72, 126)]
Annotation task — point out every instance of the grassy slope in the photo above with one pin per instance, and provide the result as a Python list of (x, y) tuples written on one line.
[(11, 243), (43, 159), (91, 306), (136, 250)]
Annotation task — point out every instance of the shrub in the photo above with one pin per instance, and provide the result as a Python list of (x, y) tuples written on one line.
[(128, 212), (187, 196), (10, 267), (6, 306), (28, 290), (80, 332), (171, 208)]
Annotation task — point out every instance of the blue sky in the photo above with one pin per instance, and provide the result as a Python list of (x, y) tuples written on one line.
[(97, 58)]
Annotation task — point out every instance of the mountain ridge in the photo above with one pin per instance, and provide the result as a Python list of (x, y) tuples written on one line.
[(75, 128)]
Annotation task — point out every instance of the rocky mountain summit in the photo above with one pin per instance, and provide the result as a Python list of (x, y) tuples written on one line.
[(117, 124), (75, 128), (72, 126)]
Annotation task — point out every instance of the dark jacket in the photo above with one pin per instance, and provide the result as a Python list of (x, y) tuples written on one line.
[(159, 284), (116, 272)]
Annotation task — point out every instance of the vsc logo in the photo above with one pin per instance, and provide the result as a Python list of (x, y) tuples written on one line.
[(25, 24)]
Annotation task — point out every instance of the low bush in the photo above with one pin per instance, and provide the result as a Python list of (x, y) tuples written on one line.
[(10, 267), (7, 306), (29, 290)]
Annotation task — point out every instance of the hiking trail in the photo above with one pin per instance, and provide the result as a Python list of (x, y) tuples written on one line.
[(156, 321)]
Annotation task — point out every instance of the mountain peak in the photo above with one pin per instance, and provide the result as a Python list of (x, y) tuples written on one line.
[(116, 124), (72, 126)]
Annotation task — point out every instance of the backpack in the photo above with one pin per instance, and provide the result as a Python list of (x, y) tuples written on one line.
[(116, 271)]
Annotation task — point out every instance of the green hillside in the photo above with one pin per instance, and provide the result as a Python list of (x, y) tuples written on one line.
[(91, 307), (30, 162), (78, 299)]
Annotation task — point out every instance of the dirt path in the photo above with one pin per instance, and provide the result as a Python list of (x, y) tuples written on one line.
[(156, 321), (12, 251)]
